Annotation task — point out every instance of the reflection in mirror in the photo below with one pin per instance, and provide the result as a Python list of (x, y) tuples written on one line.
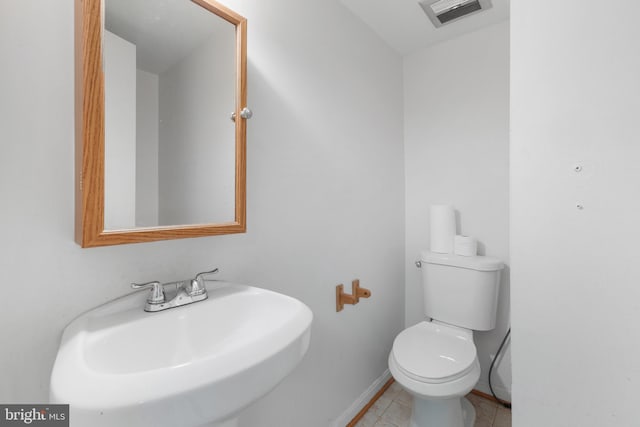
[(170, 72)]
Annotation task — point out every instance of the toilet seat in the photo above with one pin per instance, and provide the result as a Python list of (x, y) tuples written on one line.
[(434, 353)]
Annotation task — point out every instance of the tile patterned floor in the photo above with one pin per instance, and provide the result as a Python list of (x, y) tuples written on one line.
[(393, 409)]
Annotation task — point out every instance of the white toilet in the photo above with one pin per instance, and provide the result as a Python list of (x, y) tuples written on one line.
[(436, 359)]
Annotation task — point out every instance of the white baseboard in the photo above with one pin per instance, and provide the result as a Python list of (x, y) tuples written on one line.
[(362, 400)]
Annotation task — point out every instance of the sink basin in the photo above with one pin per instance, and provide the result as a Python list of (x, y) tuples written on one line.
[(194, 365)]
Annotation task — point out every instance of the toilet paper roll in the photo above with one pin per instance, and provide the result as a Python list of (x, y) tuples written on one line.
[(443, 228), (465, 245)]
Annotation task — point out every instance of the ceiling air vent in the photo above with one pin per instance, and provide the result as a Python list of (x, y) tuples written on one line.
[(442, 12)]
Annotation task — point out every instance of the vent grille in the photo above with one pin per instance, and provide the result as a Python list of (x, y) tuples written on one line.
[(441, 12), (459, 12)]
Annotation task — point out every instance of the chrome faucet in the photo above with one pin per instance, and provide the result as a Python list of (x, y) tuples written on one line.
[(174, 294)]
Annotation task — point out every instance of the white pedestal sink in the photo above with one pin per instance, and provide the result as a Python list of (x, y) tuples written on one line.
[(196, 365)]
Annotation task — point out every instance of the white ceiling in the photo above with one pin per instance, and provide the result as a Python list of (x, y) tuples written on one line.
[(406, 28)]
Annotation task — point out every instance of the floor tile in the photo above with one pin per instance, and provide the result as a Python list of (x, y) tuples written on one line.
[(404, 397), (503, 417), (393, 409), (369, 420), (397, 413), (383, 423), (485, 410), (381, 405)]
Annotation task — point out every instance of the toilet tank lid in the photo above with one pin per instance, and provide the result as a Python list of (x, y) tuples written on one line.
[(480, 263)]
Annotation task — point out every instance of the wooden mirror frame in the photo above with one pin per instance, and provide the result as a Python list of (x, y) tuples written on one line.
[(89, 136)]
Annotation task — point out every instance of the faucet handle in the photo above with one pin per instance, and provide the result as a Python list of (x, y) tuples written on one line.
[(204, 273), (157, 291), (197, 284)]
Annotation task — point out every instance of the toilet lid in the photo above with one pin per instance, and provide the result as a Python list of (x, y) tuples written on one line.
[(433, 352)]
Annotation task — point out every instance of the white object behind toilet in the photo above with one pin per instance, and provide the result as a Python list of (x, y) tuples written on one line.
[(465, 245), (442, 225)]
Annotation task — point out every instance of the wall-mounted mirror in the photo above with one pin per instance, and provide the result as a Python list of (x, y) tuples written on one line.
[(157, 156)]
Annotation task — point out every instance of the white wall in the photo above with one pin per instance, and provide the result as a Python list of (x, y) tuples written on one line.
[(147, 126), (575, 100), (456, 102), (120, 132), (325, 200), (196, 154)]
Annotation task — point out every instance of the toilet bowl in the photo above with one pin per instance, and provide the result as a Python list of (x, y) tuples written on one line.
[(438, 364)]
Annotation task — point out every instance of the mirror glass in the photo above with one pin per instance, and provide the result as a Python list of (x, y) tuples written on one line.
[(170, 88)]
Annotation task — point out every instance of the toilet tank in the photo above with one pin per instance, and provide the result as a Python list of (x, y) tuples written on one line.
[(461, 290)]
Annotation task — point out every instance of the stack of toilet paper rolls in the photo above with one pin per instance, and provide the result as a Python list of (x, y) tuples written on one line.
[(443, 233)]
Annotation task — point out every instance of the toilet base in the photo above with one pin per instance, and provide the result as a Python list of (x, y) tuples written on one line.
[(455, 412), (468, 412)]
